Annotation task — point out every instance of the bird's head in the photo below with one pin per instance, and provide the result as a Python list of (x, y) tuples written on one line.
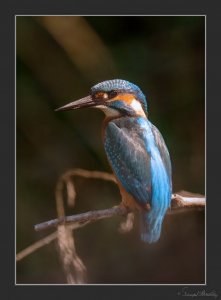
[(115, 97)]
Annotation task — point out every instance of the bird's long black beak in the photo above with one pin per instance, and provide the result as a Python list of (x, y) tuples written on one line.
[(84, 102)]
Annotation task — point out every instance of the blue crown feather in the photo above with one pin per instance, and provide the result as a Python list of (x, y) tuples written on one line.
[(121, 85)]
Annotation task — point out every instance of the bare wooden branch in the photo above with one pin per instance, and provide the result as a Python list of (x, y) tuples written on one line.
[(184, 201), (178, 202), (35, 246), (43, 242), (65, 180), (73, 265), (86, 217)]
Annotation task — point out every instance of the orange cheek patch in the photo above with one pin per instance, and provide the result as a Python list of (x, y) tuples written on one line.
[(128, 98)]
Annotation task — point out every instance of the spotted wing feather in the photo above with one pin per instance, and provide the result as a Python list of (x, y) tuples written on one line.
[(130, 160)]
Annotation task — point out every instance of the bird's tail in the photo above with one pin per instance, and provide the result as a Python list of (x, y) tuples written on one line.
[(150, 226)]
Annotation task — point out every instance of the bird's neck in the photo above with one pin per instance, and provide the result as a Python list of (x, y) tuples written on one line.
[(108, 119), (121, 118)]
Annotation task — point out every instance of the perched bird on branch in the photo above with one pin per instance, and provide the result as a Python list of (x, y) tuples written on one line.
[(135, 150)]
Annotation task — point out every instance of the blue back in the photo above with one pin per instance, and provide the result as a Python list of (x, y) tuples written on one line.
[(140, 160)]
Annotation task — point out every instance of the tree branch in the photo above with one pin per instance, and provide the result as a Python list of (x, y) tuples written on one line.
[(73, 266), (179, 203), (185, 201), (84, 218)]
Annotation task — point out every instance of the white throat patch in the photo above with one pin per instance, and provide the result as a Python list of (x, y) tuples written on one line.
[(137, 107), (109, 112)]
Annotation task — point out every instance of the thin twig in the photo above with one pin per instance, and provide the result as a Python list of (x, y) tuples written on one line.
[(32, 248), (71, 194), (178, 202), (186, 201), (87, 217), (44, 241)]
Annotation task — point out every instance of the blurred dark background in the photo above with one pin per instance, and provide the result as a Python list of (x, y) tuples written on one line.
[(58, 60)]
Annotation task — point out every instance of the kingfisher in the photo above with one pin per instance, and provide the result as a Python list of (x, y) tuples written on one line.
[(136, 151)]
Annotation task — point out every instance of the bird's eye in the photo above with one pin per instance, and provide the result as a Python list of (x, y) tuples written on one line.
[(112, 94), (105, 96), (101, 95)]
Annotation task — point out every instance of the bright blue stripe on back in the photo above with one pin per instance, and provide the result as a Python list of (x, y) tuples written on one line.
[(161, 187)]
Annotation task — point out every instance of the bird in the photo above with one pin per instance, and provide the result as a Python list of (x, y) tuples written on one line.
[(136, 151)]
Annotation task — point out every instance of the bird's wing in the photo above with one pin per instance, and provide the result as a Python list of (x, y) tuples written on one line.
[(164, 153), (130, 161)]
